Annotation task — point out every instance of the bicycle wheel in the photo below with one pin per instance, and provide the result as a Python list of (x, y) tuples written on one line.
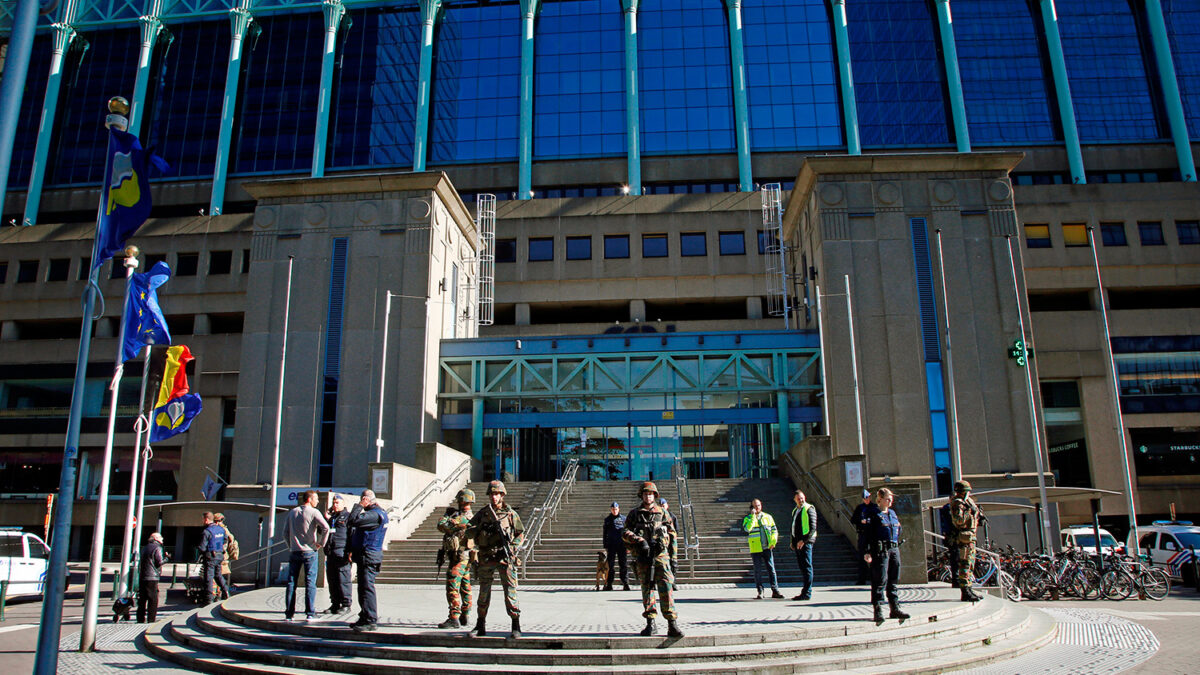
[(1011, 590), (1091, 583), (1033, 582), (1156, 583), (1116, 584)]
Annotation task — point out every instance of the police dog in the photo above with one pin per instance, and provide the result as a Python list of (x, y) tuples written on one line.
[(601, 569)]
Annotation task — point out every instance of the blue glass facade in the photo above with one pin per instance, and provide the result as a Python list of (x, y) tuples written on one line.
[(374, 97), (27, 123), (276, 116), (1183, 32), (579, 88), (187, 112), (1008, 92), (791, 75), (108, 69), (898, 75), (1108, 70), (476, 84), (684, 77)]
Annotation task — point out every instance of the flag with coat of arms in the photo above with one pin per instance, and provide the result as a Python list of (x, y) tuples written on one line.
[(175, 407), (125, 200)]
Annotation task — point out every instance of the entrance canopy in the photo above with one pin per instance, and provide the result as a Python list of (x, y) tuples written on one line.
[(997, 502)]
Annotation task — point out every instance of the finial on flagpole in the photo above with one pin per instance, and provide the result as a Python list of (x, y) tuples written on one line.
[(131, 254), (118, 108)]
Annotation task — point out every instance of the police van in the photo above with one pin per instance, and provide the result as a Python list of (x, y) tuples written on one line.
[(24, 558), (1170, 544)]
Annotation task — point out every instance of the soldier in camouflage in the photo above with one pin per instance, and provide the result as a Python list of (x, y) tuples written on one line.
[(650, 536), (497, 532), (964, 517), (457, 547)]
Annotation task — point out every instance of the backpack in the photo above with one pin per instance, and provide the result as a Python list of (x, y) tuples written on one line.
[(945, 522), (234, 550)]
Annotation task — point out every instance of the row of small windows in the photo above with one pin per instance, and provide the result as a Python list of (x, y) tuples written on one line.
[(1096, 177), (186, 265), (671, 188), (617, 247), (1150, 233)]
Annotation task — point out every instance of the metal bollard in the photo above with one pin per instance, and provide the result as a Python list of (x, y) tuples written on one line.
[(3, 597)]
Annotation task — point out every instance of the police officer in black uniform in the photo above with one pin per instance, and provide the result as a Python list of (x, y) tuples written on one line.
[(862, 515), (883, 529), (337, 556), (212, 552)]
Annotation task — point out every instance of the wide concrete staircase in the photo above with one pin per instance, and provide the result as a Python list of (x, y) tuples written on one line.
[(567, 553)]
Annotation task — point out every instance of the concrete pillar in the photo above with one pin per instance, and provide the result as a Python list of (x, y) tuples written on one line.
[(754, 308), (202, 325), (522, 311), (637, 310), (9, 331)]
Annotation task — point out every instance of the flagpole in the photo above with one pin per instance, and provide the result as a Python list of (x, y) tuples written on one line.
[(387, 313), (287, 306), (91, 607), (147, 454), (124, 583), (951, 400), (50, 632)]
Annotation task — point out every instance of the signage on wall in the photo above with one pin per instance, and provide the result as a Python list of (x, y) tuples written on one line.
[(854, 473), (287, 496)]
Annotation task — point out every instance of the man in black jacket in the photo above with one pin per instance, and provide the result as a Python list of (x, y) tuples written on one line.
[(337, 557), (151, 572), (614, 525), (860, 518)]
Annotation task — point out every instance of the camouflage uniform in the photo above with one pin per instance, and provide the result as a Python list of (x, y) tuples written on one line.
[(652, 525), (964, 517), (495, 557), (457, 546)]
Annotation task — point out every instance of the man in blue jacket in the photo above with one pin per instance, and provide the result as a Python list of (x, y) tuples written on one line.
[(368, 522), (614, 526), (212, 552)]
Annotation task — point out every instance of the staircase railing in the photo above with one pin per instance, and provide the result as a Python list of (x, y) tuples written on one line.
[(997, 576), (543, 516), (435, 486), (815, 486), (687, 517)]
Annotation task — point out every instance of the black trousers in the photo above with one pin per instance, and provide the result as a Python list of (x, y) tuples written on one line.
[(212, 572), (615, 554), (368, 603), (885, 571), (148, 601), (864, 570), (337, 571)]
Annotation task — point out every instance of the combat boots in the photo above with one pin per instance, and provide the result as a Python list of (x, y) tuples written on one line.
[(516, 628), (451, 622), (673, 629), (898, 613), (462, 620), (650, 628), (878, 615), (480, 628), (969, 595)]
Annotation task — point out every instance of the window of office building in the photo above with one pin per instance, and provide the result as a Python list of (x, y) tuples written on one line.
[(1151, 234), (1075, 234), (187, 112), (187, 264), (59, 269), (376, 83), (25, 140), (693, 244), (791, 75), (476, 84), (1158, 374), (220, 262), (579, 80), (684, 77), (616, 246), (579, 248), (1183, 32), (276, 119), (541, 248), (1113, 234), (27, 271), (3, 272), (1187, 231), (506, 250), (80, 139), (898, 74), (733, 243), (1108, 71), (654, 245), (1066, 436), (1037, 236), (1006, 89), (1165, 451)]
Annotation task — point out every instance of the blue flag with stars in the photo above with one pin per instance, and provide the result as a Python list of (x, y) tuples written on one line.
[(144, 322)]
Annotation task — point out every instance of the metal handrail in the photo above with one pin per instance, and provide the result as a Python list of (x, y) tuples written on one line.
[(434, 486), (546, 513), (838, 505), (687, 519), (934, 539)]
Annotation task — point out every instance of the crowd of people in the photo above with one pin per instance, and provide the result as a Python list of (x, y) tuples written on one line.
[(479, 545)]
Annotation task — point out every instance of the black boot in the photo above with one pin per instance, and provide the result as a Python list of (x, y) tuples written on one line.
[(451, 622), (516, 628), (898, 613), (462, 620), (969, 595), (673, 629), (650, 628), (480, 628), (878, 615)]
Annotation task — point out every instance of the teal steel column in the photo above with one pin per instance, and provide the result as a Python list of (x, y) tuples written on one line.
[(12, 86), (741, 116), (633, 142), (151, 27), (429, 14), (64, 35), (958, 108), (477, 428), (785, 431), (846, 75), (239, 23), (529, 9), (1170, 86), (333, 10), (1066, 109)]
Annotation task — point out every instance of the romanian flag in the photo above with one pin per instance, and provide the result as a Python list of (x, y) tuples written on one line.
[(175, 408)]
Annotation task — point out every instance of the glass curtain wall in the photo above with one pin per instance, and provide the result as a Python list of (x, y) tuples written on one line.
[(186, 118), (32, 99), (1183, 32)]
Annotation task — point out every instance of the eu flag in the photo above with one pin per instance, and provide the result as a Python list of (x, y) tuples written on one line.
[(144, 322), (125, 200)]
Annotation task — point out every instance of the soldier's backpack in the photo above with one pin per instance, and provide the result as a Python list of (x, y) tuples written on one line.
[(946, 524), (234, 550)]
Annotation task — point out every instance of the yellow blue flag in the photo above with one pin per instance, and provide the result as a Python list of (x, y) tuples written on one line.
[(125, 199), (175, 407), (144, 322)]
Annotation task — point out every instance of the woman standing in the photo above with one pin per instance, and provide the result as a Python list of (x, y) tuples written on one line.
[(883, 555)]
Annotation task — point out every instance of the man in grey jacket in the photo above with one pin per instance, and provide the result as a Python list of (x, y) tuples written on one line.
[(305, 531)]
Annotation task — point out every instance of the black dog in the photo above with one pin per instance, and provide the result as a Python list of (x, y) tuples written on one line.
[(121, 609)]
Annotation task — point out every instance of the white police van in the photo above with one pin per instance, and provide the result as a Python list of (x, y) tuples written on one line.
[(24, 558), (1170, 544)]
